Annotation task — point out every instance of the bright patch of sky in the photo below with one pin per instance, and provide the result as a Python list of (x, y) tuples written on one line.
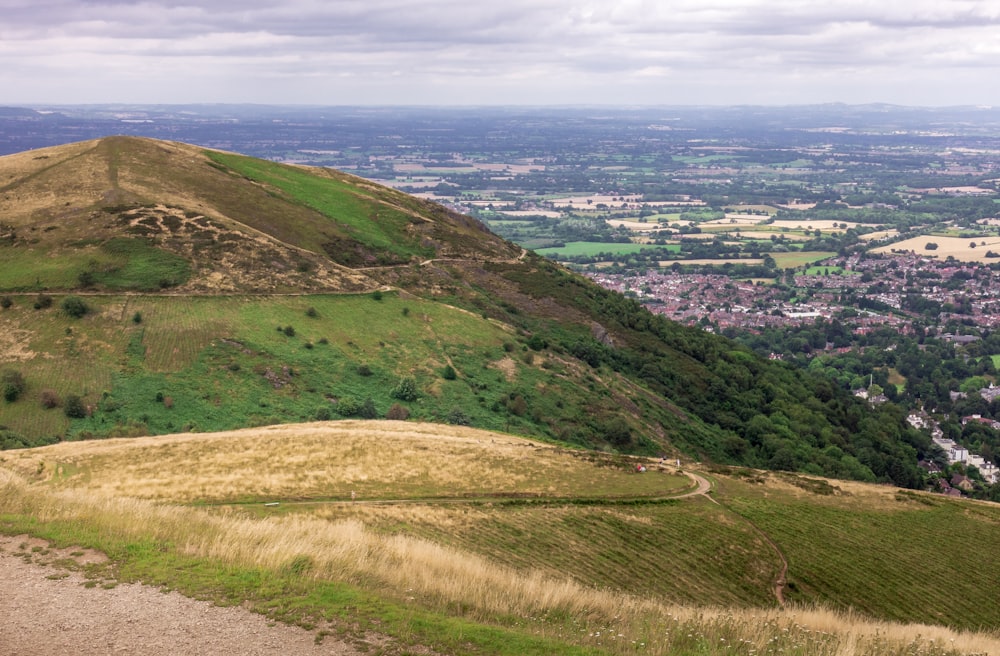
[(527, 52)]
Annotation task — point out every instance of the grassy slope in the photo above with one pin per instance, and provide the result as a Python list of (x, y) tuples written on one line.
[(213, 363), (273, 226), (497, 583)]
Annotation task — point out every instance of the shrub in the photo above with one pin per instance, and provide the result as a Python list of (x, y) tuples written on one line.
[(43, 301), (86, 279), (377, 295), (406, 311), (74, 306), (348, 406), (458, 417), (289, 331), (367, 410), (405, 390), (398, 412), (537, 343), (364, 370), (12, 383), (311, 312), (137, 317), (74, 407), (517, 405), (50, 399), (323, 413), (448, 373), (6, 302)]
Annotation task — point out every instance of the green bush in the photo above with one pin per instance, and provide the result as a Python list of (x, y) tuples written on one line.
[(6, 302), (367, 410), (348, 406), (43, 301), (12, 383), (74, 306), (74, 407), (448, 373), (458, 417), (405, 390)]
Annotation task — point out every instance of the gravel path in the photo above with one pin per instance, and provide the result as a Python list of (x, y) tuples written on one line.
[(45, 609)]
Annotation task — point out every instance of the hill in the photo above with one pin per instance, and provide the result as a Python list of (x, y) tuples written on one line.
[(420, 537), (152, 287)]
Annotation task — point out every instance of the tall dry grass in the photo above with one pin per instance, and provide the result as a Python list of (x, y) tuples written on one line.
[(440, 578)]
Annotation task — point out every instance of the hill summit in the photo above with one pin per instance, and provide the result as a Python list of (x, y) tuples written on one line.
[(241, 225), (152, 287)]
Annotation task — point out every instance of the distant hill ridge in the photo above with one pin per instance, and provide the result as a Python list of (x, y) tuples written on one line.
[(247, 292)]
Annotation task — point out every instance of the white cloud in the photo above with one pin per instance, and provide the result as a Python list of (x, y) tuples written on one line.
[(517, 51)]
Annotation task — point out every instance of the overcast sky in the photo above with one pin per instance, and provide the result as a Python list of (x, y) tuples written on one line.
[(474, 52)]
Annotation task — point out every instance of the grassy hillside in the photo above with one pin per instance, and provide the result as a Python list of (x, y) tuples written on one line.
[(225, 292), (465, 541)]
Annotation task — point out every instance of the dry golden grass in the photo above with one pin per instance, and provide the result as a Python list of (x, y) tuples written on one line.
[(434, 576), (957, 247), (328, 460), (881, 234)]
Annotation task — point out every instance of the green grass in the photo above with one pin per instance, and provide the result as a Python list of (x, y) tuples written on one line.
[(215, 363), (688, 552), (881, 558), (365, 215), (119, 264), (799, 258), (592, 249), (137, 265)]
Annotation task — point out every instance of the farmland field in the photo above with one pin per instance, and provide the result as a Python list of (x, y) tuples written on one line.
[(591, 249), (799, 258), (957, 247)]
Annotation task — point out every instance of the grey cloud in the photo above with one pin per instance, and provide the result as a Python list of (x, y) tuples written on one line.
[(575, 43)]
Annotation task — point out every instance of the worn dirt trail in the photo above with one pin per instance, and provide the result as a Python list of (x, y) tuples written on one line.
[(47, 611)]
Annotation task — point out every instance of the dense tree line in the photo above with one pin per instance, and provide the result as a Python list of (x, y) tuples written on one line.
[(757, 412)]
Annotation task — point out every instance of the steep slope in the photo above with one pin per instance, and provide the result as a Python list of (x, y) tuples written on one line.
[(248, 314)]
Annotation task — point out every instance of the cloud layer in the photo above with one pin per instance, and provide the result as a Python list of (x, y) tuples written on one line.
[(925, 52)]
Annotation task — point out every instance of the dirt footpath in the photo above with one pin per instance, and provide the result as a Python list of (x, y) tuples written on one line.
[(46, 609)]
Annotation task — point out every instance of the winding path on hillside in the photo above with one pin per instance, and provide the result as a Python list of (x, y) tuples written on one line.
[(703, 487)]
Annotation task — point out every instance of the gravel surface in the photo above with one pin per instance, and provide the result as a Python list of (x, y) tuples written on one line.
[(46, 609)]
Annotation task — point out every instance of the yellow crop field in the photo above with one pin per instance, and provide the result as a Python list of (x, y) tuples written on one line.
[(965, 250)]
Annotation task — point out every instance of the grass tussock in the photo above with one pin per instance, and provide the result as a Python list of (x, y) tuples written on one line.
[(442, 580)]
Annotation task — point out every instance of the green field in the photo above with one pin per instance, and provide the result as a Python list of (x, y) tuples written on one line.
[(799, 258), (592, 249)]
